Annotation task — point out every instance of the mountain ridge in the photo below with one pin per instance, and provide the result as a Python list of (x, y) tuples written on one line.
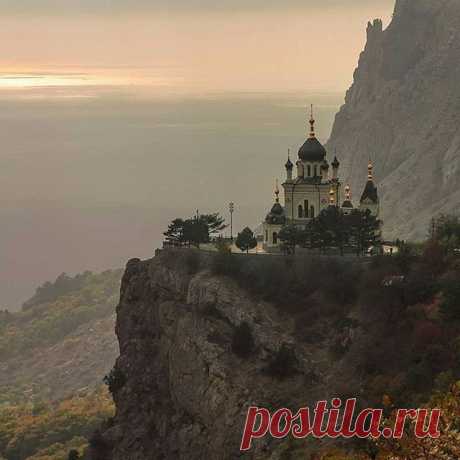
[(402, 112)]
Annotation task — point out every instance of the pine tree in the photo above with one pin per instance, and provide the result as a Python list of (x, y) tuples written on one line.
[(290, 236), (175, 233), (364, 230)]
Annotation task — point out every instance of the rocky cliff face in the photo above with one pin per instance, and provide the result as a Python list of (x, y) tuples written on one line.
[(403, 110), (183, 393)]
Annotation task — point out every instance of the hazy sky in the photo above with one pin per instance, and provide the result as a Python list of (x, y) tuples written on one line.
[(184, 45), (96, 156)]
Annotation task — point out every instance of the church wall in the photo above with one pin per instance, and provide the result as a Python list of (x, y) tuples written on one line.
[(296, 194), (268, 231)]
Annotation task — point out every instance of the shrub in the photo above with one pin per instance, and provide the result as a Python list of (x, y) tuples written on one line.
[(243, 341), (73, 455), (450, 307), (283, 364), (115, 380), (419, 286)]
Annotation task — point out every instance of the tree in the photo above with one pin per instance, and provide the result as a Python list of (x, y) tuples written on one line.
[(450, 306), (214, 222), (197, 230), (364, 230), (246, 240), (175, 233), (290, 236), (115, 380), (334, 226), (322, 231), (446, 230)]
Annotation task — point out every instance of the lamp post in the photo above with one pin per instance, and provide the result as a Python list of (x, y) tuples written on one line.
[(231, 208)]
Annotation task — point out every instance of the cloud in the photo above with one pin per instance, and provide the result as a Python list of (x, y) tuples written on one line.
[(135, 6)]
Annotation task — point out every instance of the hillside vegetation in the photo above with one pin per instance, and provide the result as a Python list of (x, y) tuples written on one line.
[(53, 357)]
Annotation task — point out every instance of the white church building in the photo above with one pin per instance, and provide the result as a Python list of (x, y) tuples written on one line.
[(315, 186)]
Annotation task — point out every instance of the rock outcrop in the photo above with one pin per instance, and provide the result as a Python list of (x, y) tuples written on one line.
[(183, 393), (403, 110)]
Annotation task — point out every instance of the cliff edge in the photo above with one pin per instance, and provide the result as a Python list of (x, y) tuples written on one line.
[(180, 390)]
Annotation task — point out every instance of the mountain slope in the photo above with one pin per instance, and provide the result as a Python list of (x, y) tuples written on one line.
[(403, 110), (53, 357)]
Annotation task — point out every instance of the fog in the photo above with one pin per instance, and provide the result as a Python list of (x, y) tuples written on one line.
[(118, 116), (88, 184)]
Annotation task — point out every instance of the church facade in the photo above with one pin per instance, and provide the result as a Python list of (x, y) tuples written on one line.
[(312, 185)]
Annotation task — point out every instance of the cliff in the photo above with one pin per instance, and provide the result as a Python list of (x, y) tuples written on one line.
[(318, 328), (181, 392), (403, 111)]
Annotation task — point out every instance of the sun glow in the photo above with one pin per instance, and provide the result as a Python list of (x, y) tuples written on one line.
[(24, 81)]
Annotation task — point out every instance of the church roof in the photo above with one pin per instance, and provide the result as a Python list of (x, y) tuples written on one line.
[(370, 192), (276, 215), (312, 150)]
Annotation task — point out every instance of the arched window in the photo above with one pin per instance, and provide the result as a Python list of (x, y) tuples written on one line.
[(275, 238), (305, 206), (312, 212), (300, 212), (266, 236), (309, 171), (316, 171)]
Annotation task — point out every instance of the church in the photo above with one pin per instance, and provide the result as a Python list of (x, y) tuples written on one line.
[(315, 186)]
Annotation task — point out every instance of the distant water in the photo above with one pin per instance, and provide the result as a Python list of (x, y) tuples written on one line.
[(88, 184)]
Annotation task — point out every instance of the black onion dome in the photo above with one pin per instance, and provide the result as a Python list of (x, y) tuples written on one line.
[(276, 215), (347, 204), (370, 192), (325, 165), (289, 164), (335, 163), (312, 150), (277, 209)]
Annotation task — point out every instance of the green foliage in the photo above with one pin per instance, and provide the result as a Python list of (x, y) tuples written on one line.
[(35, 428), (195, 231), (328, 230), (332, 229), (56, 430), (291, 236), (450, 306), (63, 285), (446, 230), (246, 240), (47, 323), (115, 380), (175, 233), (362, 230), (243, 341)]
